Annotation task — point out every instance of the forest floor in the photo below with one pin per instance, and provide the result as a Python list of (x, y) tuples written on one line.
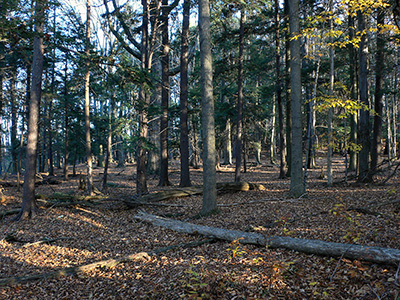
[(217, 270)]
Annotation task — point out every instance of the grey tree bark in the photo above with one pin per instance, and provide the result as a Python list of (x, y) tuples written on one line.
[(296, 175), (29, 206), (239, 117), (207, 102)]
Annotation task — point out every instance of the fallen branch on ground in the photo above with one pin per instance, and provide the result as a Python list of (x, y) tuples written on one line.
[(109, 263), (224, 187), (368, 253)]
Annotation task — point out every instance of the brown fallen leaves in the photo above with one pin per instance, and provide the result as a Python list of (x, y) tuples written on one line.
[(218, 270)]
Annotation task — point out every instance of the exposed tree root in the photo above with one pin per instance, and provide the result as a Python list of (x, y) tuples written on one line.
[(109, 263), (351, 251)]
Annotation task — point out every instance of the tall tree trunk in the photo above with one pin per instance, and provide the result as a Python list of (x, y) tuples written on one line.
[(184, 134), (66, 119), (364, 138), (378, 107), (14, 125), (29, 206), (330, 110), (164, 96), (141, 179), (272, 146), (239, 118), (289, 129), (353, 93), (296, 175), (282, 145), (89, 185), (1, 113), (207, 101)]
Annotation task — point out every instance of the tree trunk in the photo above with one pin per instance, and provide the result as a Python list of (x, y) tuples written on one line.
[(89, 185), (164, 96), (351, 251), (207, 101), (330, 110), (296, 175), (184, 134), (239, 117), (66, 119), (288, 131), (364, 138), (282, 145), (378, 107), (29, 206), (141, 176), (353, 93), (14, 125), (272, 147)]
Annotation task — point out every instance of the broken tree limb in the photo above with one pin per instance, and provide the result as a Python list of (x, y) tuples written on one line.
[(109, 263), (351, 251), (222, 187)]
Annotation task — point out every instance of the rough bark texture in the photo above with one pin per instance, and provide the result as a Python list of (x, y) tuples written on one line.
[(351, 251), (239, 117), (29, 205), (353, 93), (89, 185), (378, 107), (282, 145), (141, 176), (296, 174), (207, 101), (184, 134), (363, 134), (164, 96)]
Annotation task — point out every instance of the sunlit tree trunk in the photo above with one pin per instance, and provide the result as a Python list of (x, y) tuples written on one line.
[(296, 175), (89, 163), (184, 134), (207, 101), (282, 145), (14, 125), (29, 206), (66, 120)]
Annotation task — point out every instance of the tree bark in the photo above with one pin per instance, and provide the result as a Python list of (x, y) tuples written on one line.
[(29, 206), (164, 96), (239, 117), (363, 134), (353, 92), (288, 129), (296, 175), (207, 101), (89, 184), (330, 110), (378, 107), (368, 253), (282, 145), (184, 134)]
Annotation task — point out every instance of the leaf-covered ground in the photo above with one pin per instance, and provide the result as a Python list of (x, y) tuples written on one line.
[(362, 214)]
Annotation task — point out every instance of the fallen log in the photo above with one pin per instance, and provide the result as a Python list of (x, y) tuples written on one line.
[(351, 251), (222, 187), (109, 263)]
